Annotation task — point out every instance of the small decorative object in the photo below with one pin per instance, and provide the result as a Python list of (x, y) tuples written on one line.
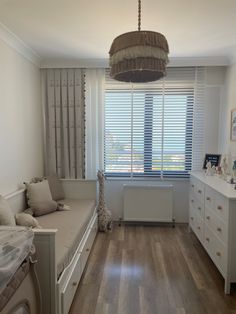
[(233, 125), (230, 164), (139, 56), (218, 170), (208, 168), (104, 215), (224, 167), (234, 168), (213, 158), (213, 170)]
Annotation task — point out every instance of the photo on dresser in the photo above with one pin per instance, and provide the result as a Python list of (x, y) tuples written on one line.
[(213, 158)]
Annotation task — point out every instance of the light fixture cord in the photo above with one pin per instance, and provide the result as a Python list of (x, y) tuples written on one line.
[(139, 15)]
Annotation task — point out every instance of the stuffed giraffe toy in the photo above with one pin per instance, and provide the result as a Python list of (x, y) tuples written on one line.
[(104, 215)]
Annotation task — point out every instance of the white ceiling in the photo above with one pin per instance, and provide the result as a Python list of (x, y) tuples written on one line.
[(84, 29)]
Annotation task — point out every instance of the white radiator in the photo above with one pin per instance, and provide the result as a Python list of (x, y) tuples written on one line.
[(148, 203)]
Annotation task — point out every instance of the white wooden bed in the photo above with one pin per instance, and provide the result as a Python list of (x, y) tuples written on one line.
[(57, 294)]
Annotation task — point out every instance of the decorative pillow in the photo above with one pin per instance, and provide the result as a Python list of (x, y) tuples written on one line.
[(6, 214), (44, 208), (23, 219), (56, 188), (40, 198)]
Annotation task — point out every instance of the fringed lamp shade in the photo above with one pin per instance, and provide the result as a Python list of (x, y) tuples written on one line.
[(139, 56)]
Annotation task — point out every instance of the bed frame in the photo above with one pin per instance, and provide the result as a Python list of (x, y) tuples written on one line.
[(57, 294)]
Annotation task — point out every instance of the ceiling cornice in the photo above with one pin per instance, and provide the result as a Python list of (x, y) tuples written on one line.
[(21, 47), (16, 43), (199, 61), (74, 63), (104, 63)]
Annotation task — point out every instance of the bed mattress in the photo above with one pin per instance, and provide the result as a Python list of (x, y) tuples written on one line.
[(71, 225)]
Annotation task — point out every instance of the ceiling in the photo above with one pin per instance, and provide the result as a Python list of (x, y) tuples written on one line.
[(84, 29)]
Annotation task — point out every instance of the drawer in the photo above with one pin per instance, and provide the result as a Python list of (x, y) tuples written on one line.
[(88, 242), (192, 200), (209, 218), (199, 207), (209, 197), (192, 218), (216, 224), (216, 250), (77, 267), (221, 206), (192, 185), (199, 191), (221, 230), (68, 292), (199, 228), (196, 205), (208, 240), (220, 257)]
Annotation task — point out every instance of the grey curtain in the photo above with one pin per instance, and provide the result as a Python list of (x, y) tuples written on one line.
[(64, 112)]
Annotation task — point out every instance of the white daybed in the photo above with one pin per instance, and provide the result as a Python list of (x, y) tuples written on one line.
[(64, 243)]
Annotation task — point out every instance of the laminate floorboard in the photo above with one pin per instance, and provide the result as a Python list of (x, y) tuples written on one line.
[(149, 270)]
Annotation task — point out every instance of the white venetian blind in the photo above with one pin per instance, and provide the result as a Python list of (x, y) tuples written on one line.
[(149, 127)]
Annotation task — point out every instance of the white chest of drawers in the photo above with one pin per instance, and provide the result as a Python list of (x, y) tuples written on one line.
[(212, 217)]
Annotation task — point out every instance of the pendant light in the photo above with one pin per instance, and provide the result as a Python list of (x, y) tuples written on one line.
[(139, 56)]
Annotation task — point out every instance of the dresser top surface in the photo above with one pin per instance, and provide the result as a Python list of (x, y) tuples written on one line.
[(217, 184)]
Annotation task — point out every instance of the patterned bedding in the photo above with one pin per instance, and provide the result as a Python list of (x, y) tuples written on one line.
[(15, 245), (14, 283)]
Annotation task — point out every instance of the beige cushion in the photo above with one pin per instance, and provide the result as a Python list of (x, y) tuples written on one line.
[(23, 219), (40, 198), (56, 188), (6, 214), (71, 226)]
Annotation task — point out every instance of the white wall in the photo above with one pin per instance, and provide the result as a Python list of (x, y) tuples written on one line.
[(225, 144), (21, 153), (215, 79), (215, 91)]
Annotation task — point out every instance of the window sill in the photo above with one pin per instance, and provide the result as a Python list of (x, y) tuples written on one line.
[(145, 179)]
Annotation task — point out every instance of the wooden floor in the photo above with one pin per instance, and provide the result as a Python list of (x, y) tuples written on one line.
[(143, 269)]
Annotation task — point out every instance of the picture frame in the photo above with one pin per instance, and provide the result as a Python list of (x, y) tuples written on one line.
[(213, 158), (233, 125)]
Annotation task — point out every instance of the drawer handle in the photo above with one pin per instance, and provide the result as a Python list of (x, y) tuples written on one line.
[(199, 191), (74, 283), (207, 239), (218, 253), (199, 208), (87, 250), (219, 207), (208, 217), (191, 218), (199, 228), (208, 198), (219, 229)]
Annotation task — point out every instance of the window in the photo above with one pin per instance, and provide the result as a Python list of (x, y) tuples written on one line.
[(149, 127)]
